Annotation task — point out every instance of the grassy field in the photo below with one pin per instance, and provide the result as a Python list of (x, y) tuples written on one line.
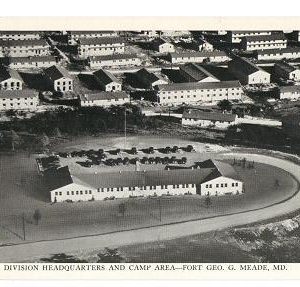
[(22, 191)]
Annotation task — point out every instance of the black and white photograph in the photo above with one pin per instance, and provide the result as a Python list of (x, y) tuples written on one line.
[(150, 146)]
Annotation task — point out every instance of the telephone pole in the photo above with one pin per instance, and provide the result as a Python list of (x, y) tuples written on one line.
[(23, 226), (125, 140), (159, 204)]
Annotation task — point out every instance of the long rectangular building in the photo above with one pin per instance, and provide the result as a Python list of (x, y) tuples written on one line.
[(273, 41), (74, 36), (112, 61), (198, 57), (88, 47), (236, 36), (287, 71), (218, 178), (103, 99), (19, 35), (18, 100), (278, 54), (31, 62), (189, 93), (24, 48)]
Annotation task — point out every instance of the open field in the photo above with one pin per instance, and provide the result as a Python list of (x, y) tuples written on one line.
[(22, 191)]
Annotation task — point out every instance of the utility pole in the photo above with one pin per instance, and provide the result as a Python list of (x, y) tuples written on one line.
[(23, 226), (159, 204), (125, 140)]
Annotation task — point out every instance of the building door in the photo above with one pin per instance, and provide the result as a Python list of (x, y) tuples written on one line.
[(198, 189)]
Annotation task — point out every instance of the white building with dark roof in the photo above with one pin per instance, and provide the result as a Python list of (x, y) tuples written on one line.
[(247, 72), (273, 41), (163, 46), (203, 45), (18, 100), (149, 80), (278, 54), (196, 117), (195, 73), (19, 35), (88, 47), (107, 81), (198, 57), (217, 179), (236, 36), (287, 71), (289, 92), (24, 48), (103, 99), (113, 61), (74, 36), (193, 93), (59, 78), (31, 62), (10, 79)]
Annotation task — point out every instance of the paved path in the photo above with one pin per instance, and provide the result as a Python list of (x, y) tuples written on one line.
[(29, 251)]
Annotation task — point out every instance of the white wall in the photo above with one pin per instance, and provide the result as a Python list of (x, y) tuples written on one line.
[(29, 103), (11, 84), (206, 123), (104, 103), (214, 187)]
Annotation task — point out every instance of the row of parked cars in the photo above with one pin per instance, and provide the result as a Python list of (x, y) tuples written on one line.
[(102, 154)]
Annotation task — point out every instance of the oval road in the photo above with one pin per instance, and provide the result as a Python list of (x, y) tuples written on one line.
[(29, 251)]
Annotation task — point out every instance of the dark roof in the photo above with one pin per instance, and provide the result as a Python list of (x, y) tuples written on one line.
[(201, 115), (286, 67), (89, 32), (105, 77), (201, 54), (31, 59), (278, 51), (33, 42), (56, 72), (103, 96), (197, 86), (6, 73), (5, 94), (18, 32), (272, 37), (56, 178), (146, 77), (101, 41), (145, 178), (286, 89), (244, 66), (195, 72), (112, 57)]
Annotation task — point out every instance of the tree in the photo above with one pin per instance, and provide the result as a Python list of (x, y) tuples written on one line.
[(122, 209), (15, 139), (110, 256), (44, 140), (37, 216), (225, 105), (208, 201), (56, 132)]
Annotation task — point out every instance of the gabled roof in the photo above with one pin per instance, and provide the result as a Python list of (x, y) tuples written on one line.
[(101, 41), (103, 96), (278, 51), (286, 67), (272, 37), (32, 42), (244, 66), (57, 72), (147, 77), (13, 94), (6, 73), (197, 86), (105, 77), (289, 89), (112, 57), (201, 115), (31, 59), (200, 54), (57, 178), (196, 72)]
